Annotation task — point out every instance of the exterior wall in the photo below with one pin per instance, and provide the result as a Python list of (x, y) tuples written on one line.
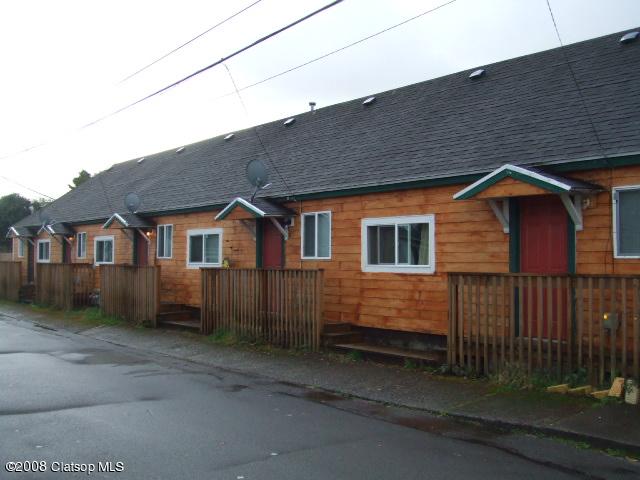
[(181, 284), (468, 238), (594, 244)]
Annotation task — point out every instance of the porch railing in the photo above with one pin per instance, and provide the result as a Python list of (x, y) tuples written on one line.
[(10, 281), (130, 292), (65, 286), (280, 307), (554, 323)]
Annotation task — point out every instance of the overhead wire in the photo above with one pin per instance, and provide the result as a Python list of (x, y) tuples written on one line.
[(181, 46)]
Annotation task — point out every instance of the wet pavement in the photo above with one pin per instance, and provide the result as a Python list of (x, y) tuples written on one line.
[(72, 399)]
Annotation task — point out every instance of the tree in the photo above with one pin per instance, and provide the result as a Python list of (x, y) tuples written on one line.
[(82, 177), (13, 208)]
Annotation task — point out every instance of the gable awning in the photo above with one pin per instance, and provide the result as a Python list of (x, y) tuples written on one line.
[(258, 208), (514, 181), (129, 220), (20, 232), (57, 229)]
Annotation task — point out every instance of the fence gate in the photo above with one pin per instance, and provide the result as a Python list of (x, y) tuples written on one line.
[(130, 292), (64, 286)]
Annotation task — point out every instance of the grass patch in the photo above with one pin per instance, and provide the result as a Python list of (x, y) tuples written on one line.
[(90, 316)]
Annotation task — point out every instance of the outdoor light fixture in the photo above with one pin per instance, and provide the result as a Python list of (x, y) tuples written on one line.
[(610, 321)]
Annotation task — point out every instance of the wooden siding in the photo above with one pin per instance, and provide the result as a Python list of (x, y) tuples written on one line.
[(510, 187), (468, 239)]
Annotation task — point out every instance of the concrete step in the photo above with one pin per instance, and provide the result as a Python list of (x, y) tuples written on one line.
[(330, 339), (433, 357), (172, 307)]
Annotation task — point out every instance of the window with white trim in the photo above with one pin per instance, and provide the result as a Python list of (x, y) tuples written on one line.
[(165, 241), (20, 247), (44, 251), (316, 235), (104, 250), (81, 246), (626, 221), (204, 248), (399, 244)]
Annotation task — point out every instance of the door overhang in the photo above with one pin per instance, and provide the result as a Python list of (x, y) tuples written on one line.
[(260, 208), (131, 222), (511, 181)]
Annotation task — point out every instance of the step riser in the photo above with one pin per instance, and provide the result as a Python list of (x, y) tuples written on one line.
[(349, 337), (336, 328), (175, 317)]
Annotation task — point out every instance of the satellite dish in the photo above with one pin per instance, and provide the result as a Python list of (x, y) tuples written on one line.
[(132, 202), (257, 173), (45, 218)]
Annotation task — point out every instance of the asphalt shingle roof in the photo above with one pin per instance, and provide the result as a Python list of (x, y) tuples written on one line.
[(523, 111)]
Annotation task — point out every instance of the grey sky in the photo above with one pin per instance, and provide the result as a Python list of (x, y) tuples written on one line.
[(62, 63)]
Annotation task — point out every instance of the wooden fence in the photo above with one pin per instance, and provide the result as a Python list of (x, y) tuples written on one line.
[(130, 292), (553, 323), (281, 307), (10, 281), (64, 285)]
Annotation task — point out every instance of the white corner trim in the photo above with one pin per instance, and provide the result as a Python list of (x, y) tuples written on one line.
[(520, 170), (104, 238), (204, 231), (242, 201), (614, 208), (408, 269)]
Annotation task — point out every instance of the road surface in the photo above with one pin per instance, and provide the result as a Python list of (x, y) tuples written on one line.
[(71, 402)]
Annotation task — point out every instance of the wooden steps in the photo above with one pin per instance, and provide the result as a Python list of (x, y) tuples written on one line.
[(433, 357), (178, 316), (27, 293), (333, 333)]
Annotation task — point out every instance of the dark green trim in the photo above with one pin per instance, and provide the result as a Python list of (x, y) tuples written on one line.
[(259, 237), (436, 182), (507, 173), (580, 165), (514, 235), (571, 244), (135, 248)]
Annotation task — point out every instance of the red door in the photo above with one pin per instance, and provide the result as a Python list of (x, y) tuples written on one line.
[(272, 246), (543, 250), (142, 250)]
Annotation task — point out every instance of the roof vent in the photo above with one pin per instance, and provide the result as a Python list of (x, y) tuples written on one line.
[(180, 150), (289, 122), (369, 101), (629, 37), (477, 74), (312, 106), (229, 137), (140, 160)]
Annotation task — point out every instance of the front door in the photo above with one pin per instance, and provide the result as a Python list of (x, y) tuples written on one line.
[(141, 250), (66, 252), (272, 245), (544, 251), (31, 262)]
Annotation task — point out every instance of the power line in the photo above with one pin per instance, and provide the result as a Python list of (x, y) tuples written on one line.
[(214, 64), (255, 130), (25, 187), (188, 42), (575, 81), (338, 50)]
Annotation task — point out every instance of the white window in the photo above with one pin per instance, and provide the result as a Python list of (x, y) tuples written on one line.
[(44, 251), (626, 221), (104, 250), (399, 244), (20, 247), (204, 248), (165, 241), (81, 247), (316, 235)]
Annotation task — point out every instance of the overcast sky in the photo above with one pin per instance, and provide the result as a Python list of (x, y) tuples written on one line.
[(63, 62)]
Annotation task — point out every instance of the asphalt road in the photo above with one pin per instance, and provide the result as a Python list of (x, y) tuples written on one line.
[(76, 401)]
